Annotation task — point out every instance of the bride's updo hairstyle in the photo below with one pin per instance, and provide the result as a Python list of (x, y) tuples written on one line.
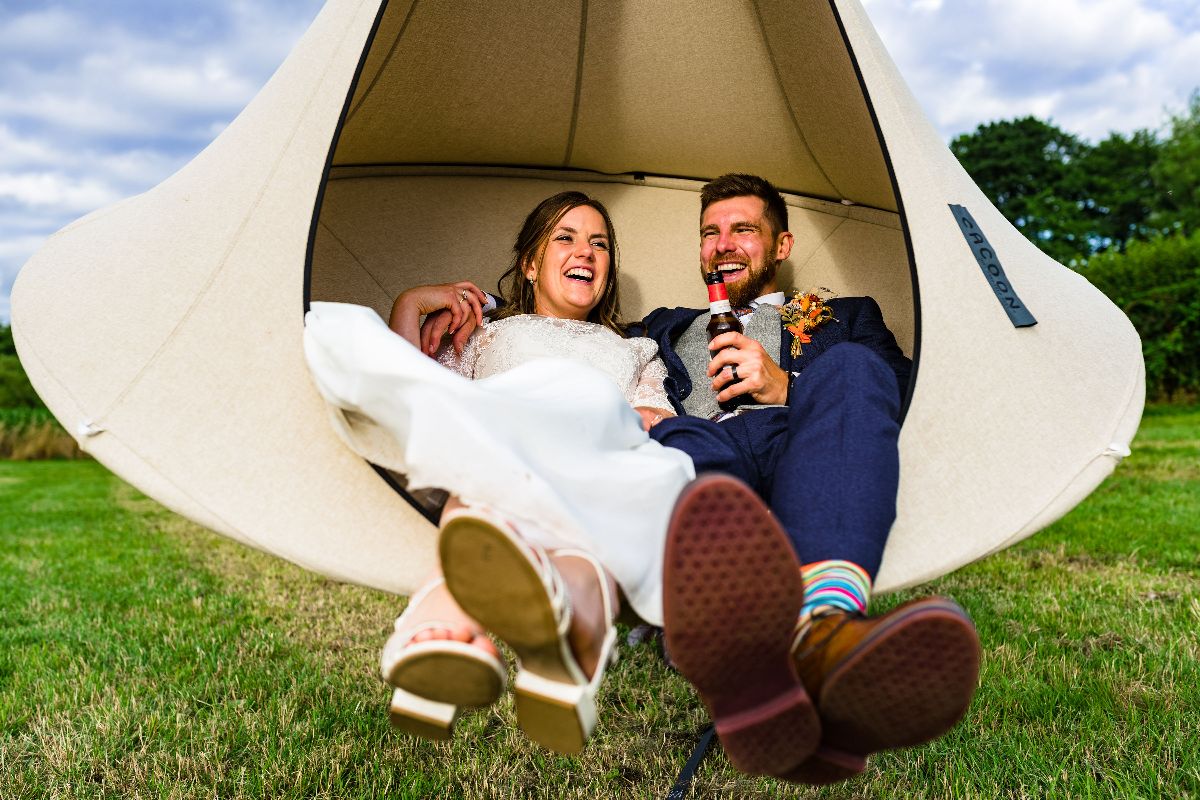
[(531, 244)]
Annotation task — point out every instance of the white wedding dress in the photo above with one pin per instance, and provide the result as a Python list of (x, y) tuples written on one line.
[(534, 420)]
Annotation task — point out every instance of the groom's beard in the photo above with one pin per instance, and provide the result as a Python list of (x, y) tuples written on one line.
[(749, 289)]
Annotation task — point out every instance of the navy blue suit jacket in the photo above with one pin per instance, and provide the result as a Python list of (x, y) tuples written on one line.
[(858, 319)]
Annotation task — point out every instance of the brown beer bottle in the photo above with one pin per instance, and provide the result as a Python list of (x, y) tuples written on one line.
[(723, 320)]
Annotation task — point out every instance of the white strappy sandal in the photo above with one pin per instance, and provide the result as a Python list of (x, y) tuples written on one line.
[(513, 590), (435, 679)]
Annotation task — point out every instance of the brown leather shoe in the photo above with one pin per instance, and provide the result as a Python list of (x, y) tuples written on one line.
[(880, 683), (731, 595)]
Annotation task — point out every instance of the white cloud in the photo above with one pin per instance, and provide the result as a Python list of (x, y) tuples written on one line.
[(102, 101), (129, 87), (49, 31), (38, 173), (16, 247), (23, 150), (69, 113), (1067, 35), (52, 190), (14, 252), (1090, 66), (200, 83)]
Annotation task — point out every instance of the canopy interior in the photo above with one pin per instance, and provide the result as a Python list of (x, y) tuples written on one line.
[(462, 119), (676, 89)]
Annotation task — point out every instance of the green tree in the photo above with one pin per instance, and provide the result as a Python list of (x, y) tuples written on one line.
[(1177, 171), (15, 389), (1031, 170), (7, 346), (1120, 193)]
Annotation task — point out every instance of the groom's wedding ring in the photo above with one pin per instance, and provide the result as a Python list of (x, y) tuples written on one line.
[(733, 372)]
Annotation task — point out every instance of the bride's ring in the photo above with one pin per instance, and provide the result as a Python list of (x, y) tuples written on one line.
[(462, 295)]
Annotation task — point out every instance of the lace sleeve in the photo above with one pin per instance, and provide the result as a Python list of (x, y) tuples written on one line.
[(649, 390), (465, 364)]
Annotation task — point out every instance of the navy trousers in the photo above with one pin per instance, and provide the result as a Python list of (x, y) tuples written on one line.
[(827, 465)]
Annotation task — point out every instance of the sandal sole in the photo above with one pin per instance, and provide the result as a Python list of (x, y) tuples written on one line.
[(731, 596), (494, 582), (447, 672)]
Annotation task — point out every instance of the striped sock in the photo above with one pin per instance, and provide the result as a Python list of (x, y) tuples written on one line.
[(841, 585)]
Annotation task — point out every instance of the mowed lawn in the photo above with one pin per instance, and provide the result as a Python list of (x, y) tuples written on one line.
[(142, 656)]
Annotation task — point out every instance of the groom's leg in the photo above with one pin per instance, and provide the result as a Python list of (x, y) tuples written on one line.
[(833, 483), (883, 682), (713, 447)]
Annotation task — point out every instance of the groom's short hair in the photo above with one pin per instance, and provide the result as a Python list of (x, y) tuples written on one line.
[(740, 184)]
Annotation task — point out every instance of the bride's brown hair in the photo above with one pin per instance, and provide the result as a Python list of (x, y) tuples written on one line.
[(531, 243)]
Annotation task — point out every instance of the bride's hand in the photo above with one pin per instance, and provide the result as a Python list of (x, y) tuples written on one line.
[(652, 416), (441, 323), (458, 304)]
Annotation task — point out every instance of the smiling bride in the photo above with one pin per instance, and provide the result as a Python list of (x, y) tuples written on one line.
[(538, 428)]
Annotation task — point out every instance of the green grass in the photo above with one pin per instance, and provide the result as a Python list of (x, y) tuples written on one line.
[(141, 656)]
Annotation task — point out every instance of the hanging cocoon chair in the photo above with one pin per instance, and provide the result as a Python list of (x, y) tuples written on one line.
[(403, 143)]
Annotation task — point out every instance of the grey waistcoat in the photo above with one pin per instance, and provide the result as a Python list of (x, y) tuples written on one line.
[(692, 347)]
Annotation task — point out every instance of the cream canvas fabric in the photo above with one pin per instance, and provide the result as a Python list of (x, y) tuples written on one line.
[(404, 142)]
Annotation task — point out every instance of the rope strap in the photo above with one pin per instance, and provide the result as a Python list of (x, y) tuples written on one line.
[(684, 781)]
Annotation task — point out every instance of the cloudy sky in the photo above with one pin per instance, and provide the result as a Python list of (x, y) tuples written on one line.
[(101, 100)]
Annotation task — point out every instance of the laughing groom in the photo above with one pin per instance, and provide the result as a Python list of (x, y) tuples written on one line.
[(769, 572)]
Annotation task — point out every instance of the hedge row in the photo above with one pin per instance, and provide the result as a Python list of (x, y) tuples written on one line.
[(1157, 284)]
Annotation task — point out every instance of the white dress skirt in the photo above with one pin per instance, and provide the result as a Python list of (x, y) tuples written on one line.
[(544, 432)]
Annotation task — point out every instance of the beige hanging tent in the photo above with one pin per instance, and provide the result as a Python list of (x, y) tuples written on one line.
[(402, 142)]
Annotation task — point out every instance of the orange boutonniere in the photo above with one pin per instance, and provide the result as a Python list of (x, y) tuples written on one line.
[(803, 314)]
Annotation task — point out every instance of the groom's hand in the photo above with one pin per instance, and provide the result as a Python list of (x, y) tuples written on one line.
[(760, 377)]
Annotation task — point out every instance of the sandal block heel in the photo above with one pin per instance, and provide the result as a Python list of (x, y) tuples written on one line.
[(511, 587), (436, 679), (558, 715), (421, 717)]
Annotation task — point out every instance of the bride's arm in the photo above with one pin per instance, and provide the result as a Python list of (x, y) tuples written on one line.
[(462, 300), (650, 398)]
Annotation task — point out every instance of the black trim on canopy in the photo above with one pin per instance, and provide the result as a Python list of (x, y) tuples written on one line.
[(904, 228), (430, 512)]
